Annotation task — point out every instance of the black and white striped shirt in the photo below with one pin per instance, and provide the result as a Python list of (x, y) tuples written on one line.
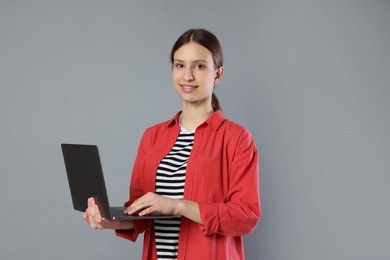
[(170, 180)]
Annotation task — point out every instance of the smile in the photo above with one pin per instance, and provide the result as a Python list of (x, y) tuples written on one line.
[(188, 88)]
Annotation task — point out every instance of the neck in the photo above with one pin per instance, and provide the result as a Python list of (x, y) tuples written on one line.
[(192, 117)]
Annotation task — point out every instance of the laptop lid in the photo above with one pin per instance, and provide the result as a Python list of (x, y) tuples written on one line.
[(86, 180), (85, 177)]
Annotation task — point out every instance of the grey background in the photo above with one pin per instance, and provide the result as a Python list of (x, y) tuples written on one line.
[(310, 79)]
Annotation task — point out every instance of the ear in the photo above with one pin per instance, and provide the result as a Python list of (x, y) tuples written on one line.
[(218, 75)]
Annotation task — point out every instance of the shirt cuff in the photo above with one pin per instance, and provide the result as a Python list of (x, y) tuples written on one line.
[(210, 218), (132, 234)]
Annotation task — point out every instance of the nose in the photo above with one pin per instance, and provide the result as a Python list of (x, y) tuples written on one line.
[(188, 74)]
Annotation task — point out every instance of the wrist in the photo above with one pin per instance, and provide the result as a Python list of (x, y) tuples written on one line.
[(180, 208), (126, 225)]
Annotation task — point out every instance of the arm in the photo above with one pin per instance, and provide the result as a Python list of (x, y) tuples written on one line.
[(240, 212), (152, 202), (235, 217)]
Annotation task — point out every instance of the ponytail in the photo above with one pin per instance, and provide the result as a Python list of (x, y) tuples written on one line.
[(215, 103)]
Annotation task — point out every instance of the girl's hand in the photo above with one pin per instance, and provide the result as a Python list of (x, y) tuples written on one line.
[(95, 220), (151, 202)]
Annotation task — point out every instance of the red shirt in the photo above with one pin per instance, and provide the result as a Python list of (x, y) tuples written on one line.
[(222, 177)]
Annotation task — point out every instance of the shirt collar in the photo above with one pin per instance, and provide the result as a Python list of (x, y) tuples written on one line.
[(214, 121)]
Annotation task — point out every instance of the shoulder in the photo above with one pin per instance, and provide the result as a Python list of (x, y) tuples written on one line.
[(237, 136), (226, 128), (234, 128)]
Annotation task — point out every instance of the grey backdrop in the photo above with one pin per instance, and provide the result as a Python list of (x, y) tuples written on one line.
[(310, 79)]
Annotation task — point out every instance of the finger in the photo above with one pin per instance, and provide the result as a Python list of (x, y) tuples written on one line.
[(141, 203), (91, 212), (85, 215), (147, 204), (146, 211), (94, 217), (97, 218), (138, 206), (91, 202), (134, 207)]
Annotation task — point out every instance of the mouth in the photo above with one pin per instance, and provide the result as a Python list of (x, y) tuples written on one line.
[(188, 88)]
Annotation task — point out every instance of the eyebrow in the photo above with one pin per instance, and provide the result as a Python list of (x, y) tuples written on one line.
[(194, 61)]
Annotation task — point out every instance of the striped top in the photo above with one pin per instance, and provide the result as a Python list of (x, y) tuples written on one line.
[(170, 179)]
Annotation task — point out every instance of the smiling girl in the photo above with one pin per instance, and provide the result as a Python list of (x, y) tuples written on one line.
[(198, 166)]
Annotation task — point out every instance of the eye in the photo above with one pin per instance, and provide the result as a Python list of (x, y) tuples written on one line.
[(199, 66), (178, 65)]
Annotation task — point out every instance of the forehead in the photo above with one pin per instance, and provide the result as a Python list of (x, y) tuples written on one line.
[(193, 51)]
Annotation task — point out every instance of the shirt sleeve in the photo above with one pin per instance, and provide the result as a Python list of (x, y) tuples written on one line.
[(241, 211), (136, 191)]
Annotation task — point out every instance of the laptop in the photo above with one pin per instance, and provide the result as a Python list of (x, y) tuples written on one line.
[(85, 177)]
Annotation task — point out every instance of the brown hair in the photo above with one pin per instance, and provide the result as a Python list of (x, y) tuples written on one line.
[(210, 42)]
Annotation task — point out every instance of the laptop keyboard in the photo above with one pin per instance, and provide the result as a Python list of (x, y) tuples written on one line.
[(117, 211)]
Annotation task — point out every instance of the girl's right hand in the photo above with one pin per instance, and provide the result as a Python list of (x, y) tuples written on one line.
[(95, 220)]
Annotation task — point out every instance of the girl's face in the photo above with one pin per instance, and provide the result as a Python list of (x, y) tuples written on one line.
[(194, 75)]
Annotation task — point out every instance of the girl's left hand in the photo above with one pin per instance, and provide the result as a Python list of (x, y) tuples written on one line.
[(151, 202)]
